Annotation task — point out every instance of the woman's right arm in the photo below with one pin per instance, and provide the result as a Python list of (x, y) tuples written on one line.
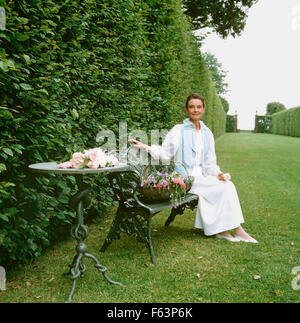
[(167, 150)]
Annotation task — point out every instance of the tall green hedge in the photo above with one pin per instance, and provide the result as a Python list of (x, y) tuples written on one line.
[(69, 69), (286, 122), (215, 116)]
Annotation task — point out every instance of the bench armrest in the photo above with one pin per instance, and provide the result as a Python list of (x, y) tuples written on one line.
[(135, 195)]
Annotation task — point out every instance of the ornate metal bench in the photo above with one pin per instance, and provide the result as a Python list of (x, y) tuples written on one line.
[(134, 214)]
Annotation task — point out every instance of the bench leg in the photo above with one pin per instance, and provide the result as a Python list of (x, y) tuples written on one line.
[(180, 210), (131, 222), (149, 242), (114, 231), (174, 212)]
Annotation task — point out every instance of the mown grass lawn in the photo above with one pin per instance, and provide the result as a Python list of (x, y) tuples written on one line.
[(191, 267)]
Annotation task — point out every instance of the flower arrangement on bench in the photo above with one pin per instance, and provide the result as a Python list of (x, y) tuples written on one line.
[(91, 158), (160, 186)]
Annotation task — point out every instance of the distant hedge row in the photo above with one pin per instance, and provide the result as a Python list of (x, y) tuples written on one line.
[(69, 69), (230, 123), (286, 122)]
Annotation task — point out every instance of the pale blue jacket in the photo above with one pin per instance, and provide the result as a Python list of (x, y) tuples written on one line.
[(179, 144), (186, 151)]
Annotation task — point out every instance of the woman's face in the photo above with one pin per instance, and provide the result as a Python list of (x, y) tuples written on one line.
[(195, 109)]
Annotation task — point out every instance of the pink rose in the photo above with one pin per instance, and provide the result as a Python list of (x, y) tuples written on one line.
[(77, 159), (182, 185), (112, 160), (179, 181), (65, 165), (93, 164), (96, 158), (94, 154)]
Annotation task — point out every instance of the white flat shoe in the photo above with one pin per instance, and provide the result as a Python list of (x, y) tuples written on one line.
[(252, 240), (220, 236)]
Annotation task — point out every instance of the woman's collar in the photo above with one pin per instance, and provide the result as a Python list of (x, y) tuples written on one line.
[(188, 123)]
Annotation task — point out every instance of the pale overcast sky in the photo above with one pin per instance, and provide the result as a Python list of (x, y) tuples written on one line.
[(263, 64)]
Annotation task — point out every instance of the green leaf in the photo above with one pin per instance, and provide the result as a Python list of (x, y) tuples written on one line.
[(11, 211), (15, 148), (75, 114), (26, 87), (3, 66), (9, 184), (2, 236), (27, 59), (4, 217), (21, 37), (10, 63), (2, 168), (63, 199), (43, 91), (24, 21), (8, 151), (52, 23)]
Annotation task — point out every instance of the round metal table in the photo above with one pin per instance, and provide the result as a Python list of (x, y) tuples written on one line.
[(79, 231)]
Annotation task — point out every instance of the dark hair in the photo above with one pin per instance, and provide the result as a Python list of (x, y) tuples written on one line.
[(194, 96)]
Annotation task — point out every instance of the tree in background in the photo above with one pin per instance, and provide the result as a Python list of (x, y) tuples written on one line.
[(218, 76), (275, 107), (224, 17), (217, 73)]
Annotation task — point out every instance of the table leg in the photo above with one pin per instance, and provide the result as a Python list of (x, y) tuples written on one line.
[(80, 232)]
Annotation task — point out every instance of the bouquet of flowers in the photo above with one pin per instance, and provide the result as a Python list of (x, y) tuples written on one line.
[(163, 186), (92, 158)]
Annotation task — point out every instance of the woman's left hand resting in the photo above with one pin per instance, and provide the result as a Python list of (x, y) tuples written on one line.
[(224, 177), (137, 144)]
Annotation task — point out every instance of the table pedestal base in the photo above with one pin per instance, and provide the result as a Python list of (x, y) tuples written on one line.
[(80, 232), (77, 267)]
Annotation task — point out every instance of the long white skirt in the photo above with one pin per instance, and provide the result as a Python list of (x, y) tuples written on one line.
[(218, 207)]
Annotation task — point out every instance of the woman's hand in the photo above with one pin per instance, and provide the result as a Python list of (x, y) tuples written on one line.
[(223, 177), (137, 144)]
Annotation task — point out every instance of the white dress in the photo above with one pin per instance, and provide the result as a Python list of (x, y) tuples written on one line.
[(219, 207)]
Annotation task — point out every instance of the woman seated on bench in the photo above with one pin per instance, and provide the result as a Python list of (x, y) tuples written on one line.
[(193, 144)]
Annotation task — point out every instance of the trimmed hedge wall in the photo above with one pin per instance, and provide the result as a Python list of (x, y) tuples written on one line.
[(69, 69), (215, 116), (286, 122)]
